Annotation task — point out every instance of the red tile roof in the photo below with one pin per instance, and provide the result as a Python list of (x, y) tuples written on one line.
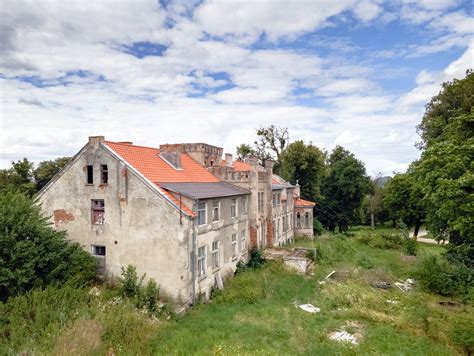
[(241, 166), (304, 203), (148, 162)]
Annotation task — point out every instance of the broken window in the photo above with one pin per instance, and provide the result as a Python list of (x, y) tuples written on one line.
[(98, 212), (243, 241), (104, 174), (215, 210), (98, 250), (201, 261), (243, 204), (234, 245), (201, 213), (215, 254), (233, 208), (298, 220), (90, 174), (306, 220)]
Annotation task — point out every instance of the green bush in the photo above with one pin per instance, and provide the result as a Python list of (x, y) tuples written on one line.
[(436, 275), (462, 333), (32, 253), (243, 289), (365, 262), (410, 247), (382, 240), (256, 259), (318, 228)]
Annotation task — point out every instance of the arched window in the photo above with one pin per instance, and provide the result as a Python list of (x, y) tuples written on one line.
[(306, 220), (298, 220)]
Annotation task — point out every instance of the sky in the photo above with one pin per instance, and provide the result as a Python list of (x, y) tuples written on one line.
[(355, 73)]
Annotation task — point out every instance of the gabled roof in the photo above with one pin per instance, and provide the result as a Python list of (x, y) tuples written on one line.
[(304, 203), (148, 162)]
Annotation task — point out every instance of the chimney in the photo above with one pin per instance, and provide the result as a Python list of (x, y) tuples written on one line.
[(252, 160), (171, 153), (228, 159), (95, 141)]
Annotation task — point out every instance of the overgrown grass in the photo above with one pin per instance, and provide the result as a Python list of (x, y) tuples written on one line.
[(257, 313)]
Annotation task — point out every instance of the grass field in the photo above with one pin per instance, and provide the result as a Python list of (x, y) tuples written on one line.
[(257, 314)]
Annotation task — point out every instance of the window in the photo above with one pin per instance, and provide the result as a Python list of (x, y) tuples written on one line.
[(215, 210), (201, 261), (306, 220), (243, 204), (98, 250), (215, 254), (233, 208), (104, 174), (278, 227), (298, 220), (276, 199), (243, 241), (90, 174), (234, 245), (260, 202), (285, 228), (98, 212), (201, 213)]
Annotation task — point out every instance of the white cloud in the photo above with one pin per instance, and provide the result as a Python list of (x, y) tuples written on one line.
[(367, 10)]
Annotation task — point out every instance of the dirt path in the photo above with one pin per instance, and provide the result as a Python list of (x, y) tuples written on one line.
[(421, 238)]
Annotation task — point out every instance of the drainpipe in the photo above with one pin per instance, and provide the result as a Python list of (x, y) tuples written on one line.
[(193, 262)]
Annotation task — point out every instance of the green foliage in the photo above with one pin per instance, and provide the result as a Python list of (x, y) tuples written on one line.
[(382, 240), (318, 228), (410, 247), (256, 259), (32, 253), (244, 151), (142, 297), (437, 275), (343, 190), (18, 177), (446, 170), (46, 170), (462, 333), (304, 164), (243, 289)]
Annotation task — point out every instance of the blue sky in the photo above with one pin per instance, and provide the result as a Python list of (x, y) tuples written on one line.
[(355, 73)]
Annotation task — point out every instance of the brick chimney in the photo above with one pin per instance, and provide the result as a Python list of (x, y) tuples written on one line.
[(95, 141)]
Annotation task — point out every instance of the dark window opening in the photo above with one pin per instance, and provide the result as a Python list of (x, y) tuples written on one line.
[(90, 174), (98, 250), (98, 212), (104, 174)]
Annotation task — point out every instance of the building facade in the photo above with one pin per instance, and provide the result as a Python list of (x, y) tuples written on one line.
[(179, 213)]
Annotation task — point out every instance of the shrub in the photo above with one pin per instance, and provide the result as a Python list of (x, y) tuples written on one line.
[(438, 276), (462, 333), (382, 240), (32, 253), (318, 228), (256, 259), (365, 262), (410, 247), (130, 284)]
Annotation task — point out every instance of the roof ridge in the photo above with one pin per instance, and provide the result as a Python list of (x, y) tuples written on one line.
[(131, 145)]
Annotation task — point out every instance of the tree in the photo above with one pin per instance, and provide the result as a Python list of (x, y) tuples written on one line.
[(244, 151), (404, 198), (375, 203), (303, 164), (32, 253), (446, 170), (46, 170), (343, 190), (18, 177)]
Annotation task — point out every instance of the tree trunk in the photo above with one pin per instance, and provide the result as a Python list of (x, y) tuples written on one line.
[(417, 228), (372, 221)]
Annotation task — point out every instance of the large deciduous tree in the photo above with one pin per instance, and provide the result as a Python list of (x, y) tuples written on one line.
[(18, 177), (304, 164), (404, 198), (46, 170), (446, 167), (343, 190)]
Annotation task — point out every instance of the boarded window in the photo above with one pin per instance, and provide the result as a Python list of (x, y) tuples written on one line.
[(98, 212), (90, 174), (104, 174)]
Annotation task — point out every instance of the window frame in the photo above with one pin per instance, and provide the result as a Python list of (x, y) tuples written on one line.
[(215, 248), (243, 241), (90, 174), (298, 220), (97, 206), (234, 245), (243, 205), (96, 248), (216, 208), (204, 213), (233, 208), (201, 261), (104, 174)]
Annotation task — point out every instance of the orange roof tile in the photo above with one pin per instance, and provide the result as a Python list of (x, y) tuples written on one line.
[(304, 203), (148, 162), (240, 166)]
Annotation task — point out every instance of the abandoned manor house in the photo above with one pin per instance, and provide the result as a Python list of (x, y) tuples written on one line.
[(180, 213)]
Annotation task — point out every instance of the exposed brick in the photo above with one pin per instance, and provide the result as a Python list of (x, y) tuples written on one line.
[(269, 233), (253, 237), (60, 216)]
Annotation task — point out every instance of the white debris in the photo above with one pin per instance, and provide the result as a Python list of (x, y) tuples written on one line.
[(407, 285), (95, 291), (310, 308), (389, 301), (344, 336), (330, 274)]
